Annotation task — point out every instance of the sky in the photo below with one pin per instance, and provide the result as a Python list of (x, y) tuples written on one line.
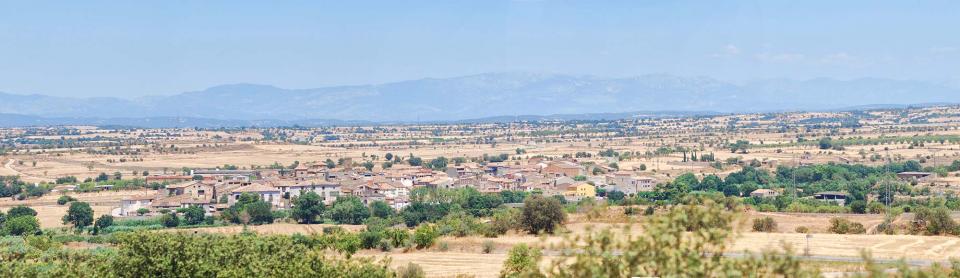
[(139, 48)]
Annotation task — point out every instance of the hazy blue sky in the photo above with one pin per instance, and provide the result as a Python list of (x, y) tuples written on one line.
[(134, 48)]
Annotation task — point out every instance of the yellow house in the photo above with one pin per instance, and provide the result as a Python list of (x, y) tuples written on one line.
[(580, 191)]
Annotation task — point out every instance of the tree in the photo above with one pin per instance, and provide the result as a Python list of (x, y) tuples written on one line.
[(541, 214), (825, 143), (615, 195), (307, 208), (21, 211), (414, 161), (329, 163), (21, 225), (439, 163), (102, 177), (142, 211), (193, 215), (170, 220), (349, 210), (858, 206), (79, 214), (381, 209), (388, 156), (425, 236), (740, 145), (63, 200), (259, 213), (368, 165), (102, 222)]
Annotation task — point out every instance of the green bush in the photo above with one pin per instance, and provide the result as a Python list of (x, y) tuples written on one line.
[(370, 239), (935, 221), (398, 237), (522, 261), (63, 200), (425, 236), (844, 226)]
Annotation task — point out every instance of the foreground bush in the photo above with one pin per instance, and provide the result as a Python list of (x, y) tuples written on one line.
[(686, 241), (146, 254)]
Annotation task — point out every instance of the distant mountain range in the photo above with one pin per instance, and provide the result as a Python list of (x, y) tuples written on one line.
[(483, 97)]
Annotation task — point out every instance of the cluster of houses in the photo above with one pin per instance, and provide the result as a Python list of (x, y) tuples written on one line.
[(216, 189)]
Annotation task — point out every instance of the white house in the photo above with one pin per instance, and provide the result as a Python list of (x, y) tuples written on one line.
[(267, 193)]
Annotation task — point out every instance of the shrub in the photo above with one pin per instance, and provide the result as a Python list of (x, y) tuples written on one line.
[(858, 206), (522, 261), (802, 229), (425, 236), (411, 270), (541, 214), (503, 221), (936, 221), (488, 247), (398, 237), (170, 220), (370, 239), (142, 211), (764, 224), (63, 200), (844, 226), (649, 211)]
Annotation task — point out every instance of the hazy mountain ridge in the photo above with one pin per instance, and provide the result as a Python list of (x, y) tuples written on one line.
[(489, 95)]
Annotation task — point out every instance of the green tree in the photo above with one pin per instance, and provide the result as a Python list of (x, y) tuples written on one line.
[(349, 210), (307, 208), (170, 220), (21, 211), (193, 215), (825, 143), (381, 209), (541, 214), (21, 225), (259, 213), (425, 236), (102, 222), (79, 214)]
